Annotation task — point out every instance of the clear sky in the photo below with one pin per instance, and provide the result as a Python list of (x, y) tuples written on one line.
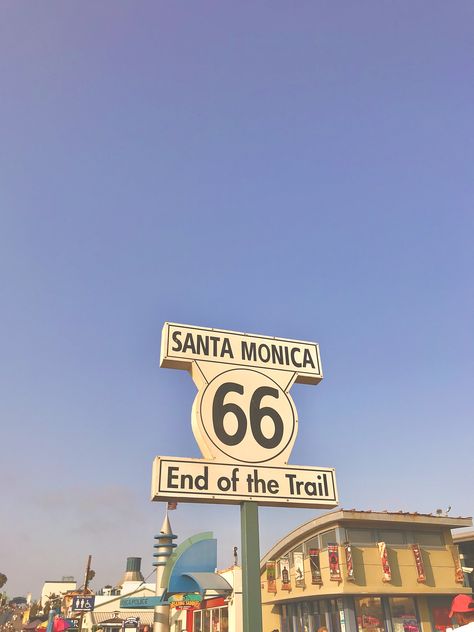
[(302, 170)]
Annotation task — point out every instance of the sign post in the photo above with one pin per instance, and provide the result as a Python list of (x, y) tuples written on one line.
[(251, 596), (245, 423)]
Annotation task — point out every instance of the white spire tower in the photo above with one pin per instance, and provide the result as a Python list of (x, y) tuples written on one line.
[(164, 547)]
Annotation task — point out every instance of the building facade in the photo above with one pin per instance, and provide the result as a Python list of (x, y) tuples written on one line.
[(57, 587), (214, 613), (465, 542), (363, 571)]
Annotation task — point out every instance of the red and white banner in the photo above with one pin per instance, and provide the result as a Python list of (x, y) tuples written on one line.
[(334, 568), (458, 574), (349, 563), (271, 577), (285, 573), (420, 568), (386, 570)]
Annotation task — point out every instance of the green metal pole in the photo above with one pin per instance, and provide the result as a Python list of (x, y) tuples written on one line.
[(252, 600)]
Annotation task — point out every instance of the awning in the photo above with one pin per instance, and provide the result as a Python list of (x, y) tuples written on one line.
[(107, 617), (208, 581), (145, 616)]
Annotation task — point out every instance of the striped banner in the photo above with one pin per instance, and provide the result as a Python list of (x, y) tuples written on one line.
[(334, 568), (349, 564), (420, 568), (386, 570), (458, 574)]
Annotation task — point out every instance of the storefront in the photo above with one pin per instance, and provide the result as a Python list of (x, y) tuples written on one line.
[(202, 600), (357, 571), (370, 614), (213, 616)]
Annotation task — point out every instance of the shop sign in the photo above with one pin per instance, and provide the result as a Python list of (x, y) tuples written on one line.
[(140, 602), (185, 602), (131, 622)]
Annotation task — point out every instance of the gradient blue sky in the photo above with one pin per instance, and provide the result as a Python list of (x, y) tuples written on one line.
[(302, 170)]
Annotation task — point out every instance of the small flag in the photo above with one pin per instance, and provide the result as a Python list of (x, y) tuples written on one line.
[(172, 506)]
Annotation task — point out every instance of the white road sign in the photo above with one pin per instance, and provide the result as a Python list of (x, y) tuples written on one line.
[(181, 345), (243, 418), (200, 480)]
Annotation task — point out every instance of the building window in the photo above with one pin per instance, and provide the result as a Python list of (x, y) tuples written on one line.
[(403, 613), (297, 549), (211, 620), (334, 615), (197, 621), (319, 614), (305, 615), (328, 537), (427, 538), (439, 610), (369, 614), (361, 536), (224, 620), (311, 544), (391, 537), (284, 619), (206, 621), (215, 620)]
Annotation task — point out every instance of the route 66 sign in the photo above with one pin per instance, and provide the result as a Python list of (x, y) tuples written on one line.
[(244, 415), (243, 411), (243, 418)]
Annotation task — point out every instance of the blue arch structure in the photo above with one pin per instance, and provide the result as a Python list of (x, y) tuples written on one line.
[(191, 567)]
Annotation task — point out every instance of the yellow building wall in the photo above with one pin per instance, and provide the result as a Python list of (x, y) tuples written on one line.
[(270, 617), (438, 564)]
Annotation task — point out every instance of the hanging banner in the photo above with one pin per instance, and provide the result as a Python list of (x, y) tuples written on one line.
[(349, 563), (458, 573), (285, 573), (420, 568), (315, 566), (271, 578), (334, 568), (386, 571), (299, 568)]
